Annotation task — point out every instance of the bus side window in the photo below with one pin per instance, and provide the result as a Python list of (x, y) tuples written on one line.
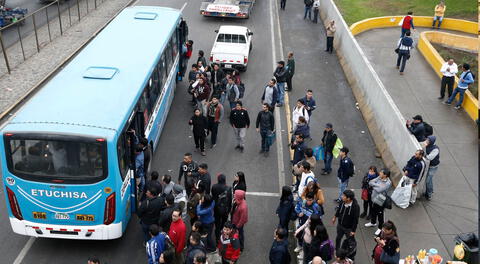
[(173, 42)]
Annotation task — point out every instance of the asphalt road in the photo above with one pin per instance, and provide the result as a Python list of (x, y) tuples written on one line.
[(316, 70)]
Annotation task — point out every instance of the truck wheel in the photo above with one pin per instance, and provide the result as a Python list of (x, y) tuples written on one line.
[(243, 69)]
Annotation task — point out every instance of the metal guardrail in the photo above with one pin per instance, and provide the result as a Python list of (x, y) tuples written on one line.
[(67, 12)]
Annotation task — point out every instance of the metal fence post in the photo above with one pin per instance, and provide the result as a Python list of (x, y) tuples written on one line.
[(36, 33), (69, 14), (78, 9), (59, 17), (21, 42), (4, 53), (87, 5), (95, 1), (48, 25)]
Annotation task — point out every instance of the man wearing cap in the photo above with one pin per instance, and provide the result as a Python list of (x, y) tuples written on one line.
[(328, 142), (433, 155), (417, 128)]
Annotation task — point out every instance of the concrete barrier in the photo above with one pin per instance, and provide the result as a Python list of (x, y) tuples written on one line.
[(470, 103), (383, 117), (419, 21)]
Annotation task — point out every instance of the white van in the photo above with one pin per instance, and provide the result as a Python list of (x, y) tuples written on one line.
[(232, 47)]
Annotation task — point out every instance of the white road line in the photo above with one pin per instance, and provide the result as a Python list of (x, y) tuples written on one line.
[(278, 123), (24, 250), (183, 7), (265, 194)]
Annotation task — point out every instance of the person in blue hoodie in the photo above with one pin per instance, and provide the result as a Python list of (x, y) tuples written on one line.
[(156, 245), (206, 216), (466, 78), (285, 208)]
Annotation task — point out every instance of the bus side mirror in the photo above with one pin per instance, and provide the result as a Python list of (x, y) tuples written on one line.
[(250, 33)]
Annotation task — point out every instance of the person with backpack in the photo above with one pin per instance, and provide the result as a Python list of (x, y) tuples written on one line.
[(177, 234), (387, 249), (279, 251), (466, 78), (307, 176), (297, 112), (199, 126), (296, 169), (347, 213), (229, 244), (196, 247), (404, 45), (345, 171), (367, 192), (307, 230), (155, 245), (342, 257), (233, 94), (286, 208), (240, 122), (380, 187), (240, 215), (328, 142), (222, 195), (321, 245), (433, 155), (187, 168), (314, 187), (280, 75), (206, 216), (308, 9)]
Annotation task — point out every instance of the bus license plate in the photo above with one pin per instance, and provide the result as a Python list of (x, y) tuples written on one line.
[(81, 217), (228, 66), (62, 216), (39, 215)]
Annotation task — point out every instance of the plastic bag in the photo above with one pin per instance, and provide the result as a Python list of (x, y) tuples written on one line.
[(318, 152), (401, 195), (337, 147)]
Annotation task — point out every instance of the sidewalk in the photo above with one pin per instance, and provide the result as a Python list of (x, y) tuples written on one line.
[(28, 74), (454, 207)]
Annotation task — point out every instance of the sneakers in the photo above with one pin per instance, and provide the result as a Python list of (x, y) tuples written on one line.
[(447, 103), (369, 224), (203, 153), (440, 98), (241, 149), (363, 215), (213, 145), (300, 255), (457, 107), (298, 249), (237, 147)]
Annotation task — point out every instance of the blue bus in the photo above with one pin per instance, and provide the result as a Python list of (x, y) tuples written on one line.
[(67, 161)]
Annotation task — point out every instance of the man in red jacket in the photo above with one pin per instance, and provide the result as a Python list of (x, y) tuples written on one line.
[(177, 234), (240, 214), (229, 245), (407, 23)]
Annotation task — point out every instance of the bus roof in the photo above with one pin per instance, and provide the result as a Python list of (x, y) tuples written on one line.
[(128, 48)]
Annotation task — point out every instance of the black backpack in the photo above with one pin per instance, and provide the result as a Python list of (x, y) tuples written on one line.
[(428, 129), (222, 202), (350, 245)]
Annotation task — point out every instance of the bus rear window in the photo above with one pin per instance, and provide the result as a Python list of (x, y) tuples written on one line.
[(54, 160)]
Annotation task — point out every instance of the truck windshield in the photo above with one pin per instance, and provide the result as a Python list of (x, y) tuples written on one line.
[(65, 160), (231, 38)]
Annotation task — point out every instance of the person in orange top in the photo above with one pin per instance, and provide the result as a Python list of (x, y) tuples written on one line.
[(439, 12), (314, 187)]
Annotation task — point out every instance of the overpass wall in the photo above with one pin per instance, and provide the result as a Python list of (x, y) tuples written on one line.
[(385, 122)]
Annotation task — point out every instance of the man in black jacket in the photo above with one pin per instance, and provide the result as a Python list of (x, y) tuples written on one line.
[(149, 210), (240, 121), (265, 125), (328, 142), (347, 214), (165, 218), (279, 252), (222, 195), (187, 167), (217, 77), (346, 169), (204, 176), (281, 74), (417, 128), (196, 247)]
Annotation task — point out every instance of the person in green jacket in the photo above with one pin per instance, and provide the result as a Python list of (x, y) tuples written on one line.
[(290, 70)]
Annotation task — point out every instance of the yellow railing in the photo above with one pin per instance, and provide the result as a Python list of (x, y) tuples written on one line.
[(470, 104)]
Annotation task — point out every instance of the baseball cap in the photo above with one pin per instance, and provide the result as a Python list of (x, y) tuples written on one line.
[(329, 125), (418, 117)]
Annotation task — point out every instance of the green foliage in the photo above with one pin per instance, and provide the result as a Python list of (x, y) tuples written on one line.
[(356, 10)]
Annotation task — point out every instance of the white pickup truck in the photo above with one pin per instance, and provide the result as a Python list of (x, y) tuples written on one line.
[(232, 47)]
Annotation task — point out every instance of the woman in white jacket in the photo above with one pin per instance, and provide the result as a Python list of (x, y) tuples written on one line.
[(299, 111)]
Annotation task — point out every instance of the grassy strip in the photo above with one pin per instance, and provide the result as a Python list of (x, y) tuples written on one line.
[(356, 10), (461, 57)]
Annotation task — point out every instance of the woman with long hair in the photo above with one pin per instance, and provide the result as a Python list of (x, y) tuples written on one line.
[(387, 249), (321, 245), (239, 182), (308, 230), (285, 208), (314, 188), (367, 192)]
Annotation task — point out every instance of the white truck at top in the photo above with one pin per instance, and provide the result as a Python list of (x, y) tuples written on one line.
[(232, 47), (227, 8)]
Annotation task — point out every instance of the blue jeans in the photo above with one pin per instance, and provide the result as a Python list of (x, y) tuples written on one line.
[(462, 94), (402, 58), (308, 9), (232, 104), (429, 180), (439, 19), (264, 133), (281, 92), (222, 98), (403, 32), (342, 186), (328, 161)]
